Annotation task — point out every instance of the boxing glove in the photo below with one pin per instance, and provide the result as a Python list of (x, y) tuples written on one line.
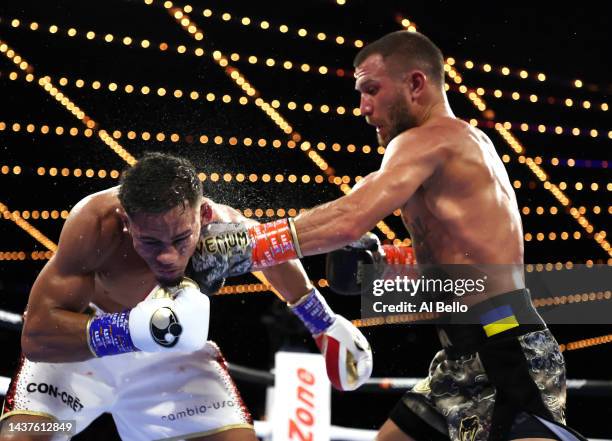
[(348, 356), (229, 249), (345, 267), (168, 319)]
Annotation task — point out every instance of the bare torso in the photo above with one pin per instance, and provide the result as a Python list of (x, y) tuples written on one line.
[(466, 212)]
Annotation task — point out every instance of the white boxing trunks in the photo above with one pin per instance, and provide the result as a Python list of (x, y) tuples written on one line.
[(150, 395)]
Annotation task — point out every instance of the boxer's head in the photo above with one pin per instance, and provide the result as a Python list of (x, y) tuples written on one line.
[(163, 206), (400, 77)]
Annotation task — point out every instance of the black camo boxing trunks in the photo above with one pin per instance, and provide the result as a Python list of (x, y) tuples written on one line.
[(490, 383)]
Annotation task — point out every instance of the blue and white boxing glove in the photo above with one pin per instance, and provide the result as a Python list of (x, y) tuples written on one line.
[(348, 356), (170, 319)]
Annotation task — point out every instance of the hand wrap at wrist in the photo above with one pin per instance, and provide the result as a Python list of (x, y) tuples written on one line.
[(109, 334), (314, 311)]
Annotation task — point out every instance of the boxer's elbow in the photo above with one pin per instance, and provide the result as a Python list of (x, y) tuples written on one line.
[(32, 346), (36, 339)]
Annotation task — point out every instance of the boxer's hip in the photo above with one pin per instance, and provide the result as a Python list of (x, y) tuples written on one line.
[(508, 315), (480, 381)]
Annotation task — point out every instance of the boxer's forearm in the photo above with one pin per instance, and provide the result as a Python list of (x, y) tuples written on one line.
[(59, 336), (289, 279), (329, 226)]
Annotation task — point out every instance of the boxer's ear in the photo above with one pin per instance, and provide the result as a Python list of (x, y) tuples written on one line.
[(125, 219), (416, 81), (206, 212)]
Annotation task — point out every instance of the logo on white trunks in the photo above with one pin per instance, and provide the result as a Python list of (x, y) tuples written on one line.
[(165, 327), (198, 410), (69, 400)]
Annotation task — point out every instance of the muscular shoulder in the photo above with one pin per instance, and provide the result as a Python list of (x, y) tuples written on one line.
[(91, 232), (442, 136), (433, 142)]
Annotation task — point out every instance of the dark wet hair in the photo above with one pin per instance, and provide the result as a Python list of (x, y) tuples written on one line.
[(158, 183), (407, 50)]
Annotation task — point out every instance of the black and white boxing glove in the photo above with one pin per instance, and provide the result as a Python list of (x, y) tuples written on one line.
[(345, 267), (168, 319)]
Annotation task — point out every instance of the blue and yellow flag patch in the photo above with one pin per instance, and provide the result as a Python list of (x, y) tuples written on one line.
[(498, 320)]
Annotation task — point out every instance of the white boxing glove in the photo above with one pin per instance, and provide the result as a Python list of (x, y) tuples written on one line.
[(347, 353), (348, 356), (171, 319)]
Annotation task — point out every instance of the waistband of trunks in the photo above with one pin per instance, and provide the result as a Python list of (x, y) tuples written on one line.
[(506, 315)]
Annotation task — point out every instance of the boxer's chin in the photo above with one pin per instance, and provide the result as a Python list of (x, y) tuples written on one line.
[(169, 280)]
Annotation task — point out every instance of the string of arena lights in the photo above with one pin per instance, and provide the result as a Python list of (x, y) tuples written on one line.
[(303, 32), (129, 41), (304, 67), (539, 267), (132, 42), (6, 169), (279, 178), (265, 25), (322, 108), (533, 98), (307, 107), (535, 168), (319, 179), (54, 91), (214, 176), (536, 127), (46, 129), (325, 109), (202, 139), (282, 212), (242, 82), (27, 227)]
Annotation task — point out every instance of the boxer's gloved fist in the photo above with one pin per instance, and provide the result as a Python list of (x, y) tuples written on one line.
[(230, 249), (222, 250), (169, 319), (345, 267), (348, 356)]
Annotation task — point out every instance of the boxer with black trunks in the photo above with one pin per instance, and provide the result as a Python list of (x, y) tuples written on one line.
[(503, 379), (112, 325)]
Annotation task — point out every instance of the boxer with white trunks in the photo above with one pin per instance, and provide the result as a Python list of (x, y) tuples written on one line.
[(113, 325)]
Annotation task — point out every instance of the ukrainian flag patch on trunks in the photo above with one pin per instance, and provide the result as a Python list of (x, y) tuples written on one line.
[(498, 320)]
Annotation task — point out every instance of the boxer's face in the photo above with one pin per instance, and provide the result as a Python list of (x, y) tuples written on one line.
[(383, 100), (166, 241)]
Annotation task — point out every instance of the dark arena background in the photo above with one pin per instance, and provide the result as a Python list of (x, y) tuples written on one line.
[(260, 96)]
